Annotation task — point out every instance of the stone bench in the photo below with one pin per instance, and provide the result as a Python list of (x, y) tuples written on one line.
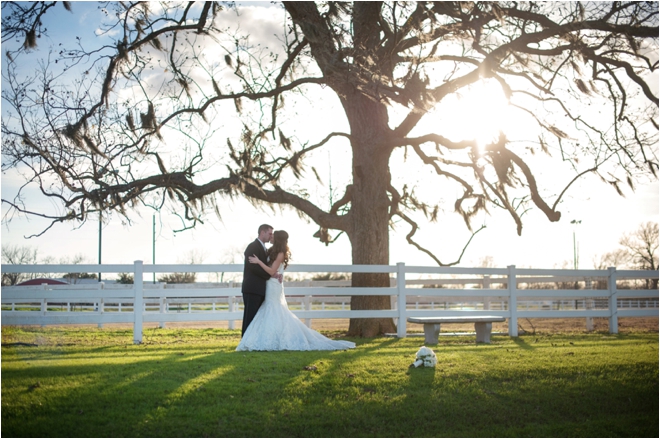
[(483, 325)]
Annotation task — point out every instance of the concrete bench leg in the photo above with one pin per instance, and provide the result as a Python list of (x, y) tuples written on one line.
[(431, 333), (483, 332)]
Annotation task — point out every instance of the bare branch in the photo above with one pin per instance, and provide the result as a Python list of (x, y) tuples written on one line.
[(412, 242)]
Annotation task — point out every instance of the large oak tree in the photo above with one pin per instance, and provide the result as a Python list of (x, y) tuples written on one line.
[(94, 128)]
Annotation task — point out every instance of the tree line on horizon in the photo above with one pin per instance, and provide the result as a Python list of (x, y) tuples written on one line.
[(637, 250)]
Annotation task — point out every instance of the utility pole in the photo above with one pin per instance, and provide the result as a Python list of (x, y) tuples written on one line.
[(100, 240), (153, 236), (576, 260)]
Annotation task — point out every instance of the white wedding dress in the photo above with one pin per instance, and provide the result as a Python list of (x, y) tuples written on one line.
[(275, 328)]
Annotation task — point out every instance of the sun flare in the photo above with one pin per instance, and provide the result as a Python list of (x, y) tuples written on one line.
[(478, 112)]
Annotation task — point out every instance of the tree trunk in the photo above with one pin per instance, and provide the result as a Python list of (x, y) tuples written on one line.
[(369, 216)]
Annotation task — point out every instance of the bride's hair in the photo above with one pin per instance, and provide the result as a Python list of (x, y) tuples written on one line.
[(280, 245)]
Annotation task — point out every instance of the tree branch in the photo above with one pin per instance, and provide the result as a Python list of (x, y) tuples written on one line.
[(412, 242)]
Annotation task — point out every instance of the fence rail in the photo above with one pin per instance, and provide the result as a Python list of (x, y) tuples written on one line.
[(101, 303)]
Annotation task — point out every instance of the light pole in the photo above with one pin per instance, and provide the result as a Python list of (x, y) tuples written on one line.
[(100, 234), (153, 235), (575, 249)]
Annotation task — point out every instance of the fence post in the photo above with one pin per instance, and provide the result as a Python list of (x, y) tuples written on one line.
[(307, 304), (589, 304), (100, 304), (230, 305), (512, 285), (44, 304), (138, 281), (486, 286), (401, 299), (163, 306), (611, 285)]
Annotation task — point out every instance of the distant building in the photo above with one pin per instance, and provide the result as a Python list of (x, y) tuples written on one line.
[(41, 281), (64, 281)]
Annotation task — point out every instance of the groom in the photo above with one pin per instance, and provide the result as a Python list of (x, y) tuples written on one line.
[(255, 277)]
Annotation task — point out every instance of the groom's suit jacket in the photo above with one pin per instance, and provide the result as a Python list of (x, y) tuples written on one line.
[(255, 277)]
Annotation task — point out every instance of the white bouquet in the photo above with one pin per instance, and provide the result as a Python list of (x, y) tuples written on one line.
[(425, 357)]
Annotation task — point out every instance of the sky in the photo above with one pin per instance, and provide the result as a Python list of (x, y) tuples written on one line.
[(604, 217)]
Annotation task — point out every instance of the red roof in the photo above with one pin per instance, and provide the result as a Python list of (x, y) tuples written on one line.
[(42, 281)]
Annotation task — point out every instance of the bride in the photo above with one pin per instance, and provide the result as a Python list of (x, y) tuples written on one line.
[(274, 327)]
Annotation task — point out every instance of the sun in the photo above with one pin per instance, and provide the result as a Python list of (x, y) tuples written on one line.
[(477, 112)]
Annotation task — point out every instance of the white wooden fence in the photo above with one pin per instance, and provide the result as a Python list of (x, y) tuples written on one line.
[(410, 286)]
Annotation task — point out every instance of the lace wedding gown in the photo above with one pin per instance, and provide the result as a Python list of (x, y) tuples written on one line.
[(275, 328)]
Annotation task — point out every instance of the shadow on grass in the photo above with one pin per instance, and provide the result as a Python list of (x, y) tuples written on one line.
[(195, 384), (150, 389), (522, 343)]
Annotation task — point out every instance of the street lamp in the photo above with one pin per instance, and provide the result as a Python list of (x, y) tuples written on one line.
[(575, 249)]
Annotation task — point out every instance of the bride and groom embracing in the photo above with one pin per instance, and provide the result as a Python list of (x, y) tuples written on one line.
[(268, 325)]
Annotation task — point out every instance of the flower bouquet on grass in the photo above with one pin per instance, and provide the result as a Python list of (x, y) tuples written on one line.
[(425, 357)]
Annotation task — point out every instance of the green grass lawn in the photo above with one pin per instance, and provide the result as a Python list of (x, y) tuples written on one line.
[(95, 382)]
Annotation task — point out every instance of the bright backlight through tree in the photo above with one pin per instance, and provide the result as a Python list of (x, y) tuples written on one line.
[(178, 105)]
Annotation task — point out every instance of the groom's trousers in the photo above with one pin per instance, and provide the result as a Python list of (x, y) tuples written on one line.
[(251, 304)]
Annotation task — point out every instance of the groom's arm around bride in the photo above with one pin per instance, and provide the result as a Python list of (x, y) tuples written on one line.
[(255, 277)]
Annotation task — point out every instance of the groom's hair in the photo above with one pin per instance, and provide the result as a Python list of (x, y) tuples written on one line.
[(264, 227)]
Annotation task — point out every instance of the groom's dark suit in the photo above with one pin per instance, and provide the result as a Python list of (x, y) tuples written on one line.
[(254, 283)]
